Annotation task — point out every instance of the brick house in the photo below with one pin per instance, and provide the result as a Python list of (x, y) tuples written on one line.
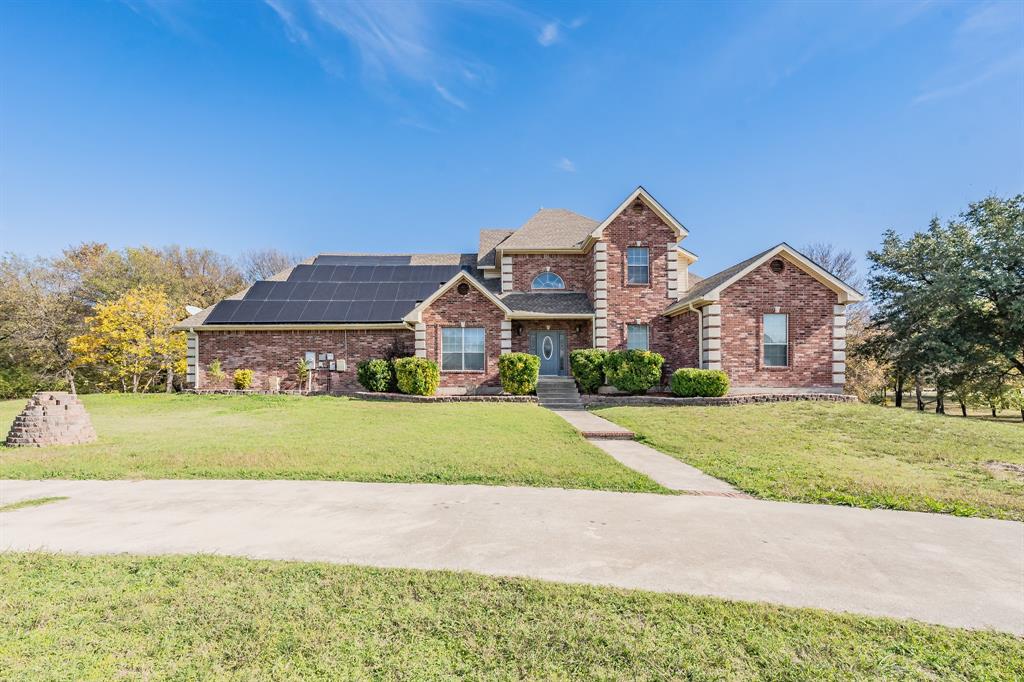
[(561, 281)]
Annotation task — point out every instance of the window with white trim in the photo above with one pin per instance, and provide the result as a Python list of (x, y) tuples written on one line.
[(462, 349), (548, 280), (638, 265), (638, 337), (776, 340)]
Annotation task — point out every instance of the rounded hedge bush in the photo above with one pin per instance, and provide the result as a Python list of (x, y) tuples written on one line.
[(417, 376), (518, 372), (376, 375), (243, 378), (633, 371), (699, 383), (588, 368)]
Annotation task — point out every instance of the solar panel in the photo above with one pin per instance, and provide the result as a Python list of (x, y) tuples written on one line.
[(337, 289), (222, 312)]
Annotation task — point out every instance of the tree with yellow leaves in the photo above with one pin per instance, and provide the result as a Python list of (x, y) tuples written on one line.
[(129, 340)]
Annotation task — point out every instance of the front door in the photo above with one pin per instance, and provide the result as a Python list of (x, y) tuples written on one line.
[(549, 350)]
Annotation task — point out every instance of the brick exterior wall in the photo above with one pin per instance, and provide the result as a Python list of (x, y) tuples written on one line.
[(473, 309), (276, 353), (809, 305), (575, 271), (682, 349), (629, 303)]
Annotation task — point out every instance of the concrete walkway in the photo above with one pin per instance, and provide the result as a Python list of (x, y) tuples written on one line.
[(666, 470), (618, 442), (592, 426), (935, 568)]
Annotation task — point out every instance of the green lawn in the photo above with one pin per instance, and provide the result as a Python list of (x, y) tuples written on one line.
[(201, 617), (189, 436), (839, 453)]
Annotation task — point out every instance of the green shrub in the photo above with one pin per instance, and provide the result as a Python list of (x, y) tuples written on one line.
[(633, 371), (518, 372), (417, 376), (376, 375), (216, 372), (699, 383), (243, 378), (588, 368)]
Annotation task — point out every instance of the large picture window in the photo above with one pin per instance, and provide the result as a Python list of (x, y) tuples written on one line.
[(776, 340), (548, 280), (638, 336), (638, 265), (462, 349)]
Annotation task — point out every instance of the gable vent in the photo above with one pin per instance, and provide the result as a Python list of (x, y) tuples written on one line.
[(777, 265)]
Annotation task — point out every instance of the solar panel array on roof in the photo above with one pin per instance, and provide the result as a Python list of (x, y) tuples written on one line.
[(362, 260), (370, 291)]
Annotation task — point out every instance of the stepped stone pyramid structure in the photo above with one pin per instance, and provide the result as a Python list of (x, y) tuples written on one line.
[(52, 418)]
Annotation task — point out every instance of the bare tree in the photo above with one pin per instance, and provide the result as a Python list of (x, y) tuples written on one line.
[(840, 262), (265, 263)]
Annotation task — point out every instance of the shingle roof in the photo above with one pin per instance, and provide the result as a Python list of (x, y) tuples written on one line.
[(549, 303), (489, 239), (710, 283), (551, 228)]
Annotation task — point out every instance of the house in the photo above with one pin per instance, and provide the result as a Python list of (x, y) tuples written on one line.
[(561, 281)]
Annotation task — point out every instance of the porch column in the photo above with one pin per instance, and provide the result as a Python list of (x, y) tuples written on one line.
[(672, 264), (600, 295), (712, 337), (421, 340), (506, 336), (839, 345), (192, 359), (506, 274)]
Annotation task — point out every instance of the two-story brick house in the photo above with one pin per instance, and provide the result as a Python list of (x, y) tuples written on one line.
[(559, 282)]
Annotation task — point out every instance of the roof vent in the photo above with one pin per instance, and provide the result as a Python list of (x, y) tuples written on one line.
[(777, 265), (463, 288)]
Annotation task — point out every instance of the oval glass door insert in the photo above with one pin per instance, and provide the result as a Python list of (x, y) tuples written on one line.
[(547, 348)]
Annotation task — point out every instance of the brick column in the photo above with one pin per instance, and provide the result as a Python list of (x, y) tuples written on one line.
[(712, 337), (506, 274), (839, 345), (672, 261), (421, 340), (601, 295), (192, 359), (506, 336)]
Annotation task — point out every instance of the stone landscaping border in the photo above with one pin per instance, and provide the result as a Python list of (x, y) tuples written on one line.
[(248, 391), (403, 398), (590, 400)]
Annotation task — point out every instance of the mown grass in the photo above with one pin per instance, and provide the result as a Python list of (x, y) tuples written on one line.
[(323, 438), (848, 454), (33, 502), (70, 618)]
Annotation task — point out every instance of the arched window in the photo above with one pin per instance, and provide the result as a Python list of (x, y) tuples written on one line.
[(547, 280)]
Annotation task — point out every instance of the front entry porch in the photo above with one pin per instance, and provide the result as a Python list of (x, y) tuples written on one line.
[(552, 340), (552, 348)]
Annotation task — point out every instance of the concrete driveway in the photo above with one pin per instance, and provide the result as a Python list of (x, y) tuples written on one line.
[(934, 568)]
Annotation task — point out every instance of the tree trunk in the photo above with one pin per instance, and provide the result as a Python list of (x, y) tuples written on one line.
[(917, 394), (940, 403), (135, 383), (993, 410), (1022, 414), (170, 379), (899, 390), (963, 408), (71, 382)]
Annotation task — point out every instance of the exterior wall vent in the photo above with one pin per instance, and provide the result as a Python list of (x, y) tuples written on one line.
[(777, 266), (463, 288)]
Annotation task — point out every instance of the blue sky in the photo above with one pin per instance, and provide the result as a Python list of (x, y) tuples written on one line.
[(316, 126)]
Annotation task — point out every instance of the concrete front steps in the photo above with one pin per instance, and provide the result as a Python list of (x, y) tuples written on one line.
[(558, 393)]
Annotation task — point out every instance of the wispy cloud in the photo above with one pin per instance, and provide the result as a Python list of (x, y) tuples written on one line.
[(548, 34), (566, 165), (448, 97), (985, 46)]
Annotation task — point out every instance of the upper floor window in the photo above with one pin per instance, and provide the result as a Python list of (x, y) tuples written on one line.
[(462, 349), (548, 280), (776, 340), (638, 265), (638, 336)]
